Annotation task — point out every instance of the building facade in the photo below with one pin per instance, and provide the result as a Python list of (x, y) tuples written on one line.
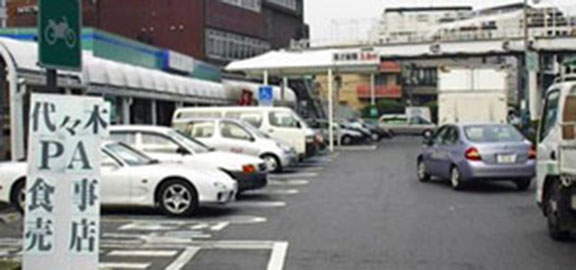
[(403, 25), (217, 31)]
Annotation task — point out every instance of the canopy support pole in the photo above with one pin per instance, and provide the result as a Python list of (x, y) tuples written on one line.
[(154, 111), (126, 103), (331, 109), (283, 90), (265, 79), (372, 90)]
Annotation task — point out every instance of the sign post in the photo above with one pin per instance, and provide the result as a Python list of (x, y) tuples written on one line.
[(266, 95), (62, 220)]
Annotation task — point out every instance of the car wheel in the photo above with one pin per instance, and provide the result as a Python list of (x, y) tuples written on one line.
[(18, 196), (456, 179), (272, 163), (423, 174), (523, 184), (346, 140), (555, 228), (178, 198)]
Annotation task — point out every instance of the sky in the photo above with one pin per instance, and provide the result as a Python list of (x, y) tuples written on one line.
[(329, 20)]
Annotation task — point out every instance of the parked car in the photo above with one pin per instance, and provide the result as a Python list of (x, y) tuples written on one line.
[(341, 134), (175, 189), (400, 125), (477, 152), (237, 136), (358, 127), (378, 133), (167, 144), (281, 123)]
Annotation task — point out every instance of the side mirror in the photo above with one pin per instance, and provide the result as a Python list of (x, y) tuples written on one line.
[(252, 139), (182, 151), (298, 125), (427, 134)]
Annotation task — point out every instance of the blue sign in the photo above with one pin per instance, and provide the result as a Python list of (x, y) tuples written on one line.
[(266, 95)]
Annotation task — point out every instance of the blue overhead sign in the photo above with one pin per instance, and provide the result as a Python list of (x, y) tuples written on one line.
[(266, 95)]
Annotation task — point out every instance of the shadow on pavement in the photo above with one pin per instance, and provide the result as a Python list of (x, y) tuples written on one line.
[(484, 187)]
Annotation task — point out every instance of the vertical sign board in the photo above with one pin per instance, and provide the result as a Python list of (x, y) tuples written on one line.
[(59, 27), (62, 220), (266, 95)]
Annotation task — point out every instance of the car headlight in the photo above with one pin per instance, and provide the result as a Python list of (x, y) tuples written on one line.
[(283, 147), (219, 185)]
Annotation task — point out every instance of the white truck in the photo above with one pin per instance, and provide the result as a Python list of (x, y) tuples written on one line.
[(472, 95), (556, 171)]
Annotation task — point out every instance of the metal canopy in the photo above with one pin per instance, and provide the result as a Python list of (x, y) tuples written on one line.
[(300, 63)]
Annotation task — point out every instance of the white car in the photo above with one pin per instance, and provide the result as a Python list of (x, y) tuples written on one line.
[(130, 178), (281, 123), (237, 136), (169, 145)]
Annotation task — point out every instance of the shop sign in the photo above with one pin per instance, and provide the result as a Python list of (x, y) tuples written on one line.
[(178, 62), (356, 57), (62, 210)]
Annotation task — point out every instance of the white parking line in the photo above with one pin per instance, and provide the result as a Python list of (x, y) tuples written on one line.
[(293, 175), (260, 204), (183, 259), (112, 266), (220, 226), (359, 148), (278, 257), (142, 253), (288, 182), (273, 192)]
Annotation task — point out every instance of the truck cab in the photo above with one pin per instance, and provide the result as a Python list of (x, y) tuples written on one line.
[(556, 169)]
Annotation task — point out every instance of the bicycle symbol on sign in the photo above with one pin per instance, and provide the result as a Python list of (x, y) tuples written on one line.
[(61, 30)]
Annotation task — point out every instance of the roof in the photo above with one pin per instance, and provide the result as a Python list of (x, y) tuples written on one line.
[(286, 63)]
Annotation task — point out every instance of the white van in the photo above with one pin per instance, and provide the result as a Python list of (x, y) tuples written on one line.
[(237, 136), (556, 171), (280, 123)]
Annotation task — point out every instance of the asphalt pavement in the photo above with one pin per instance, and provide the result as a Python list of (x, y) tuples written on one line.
[(362, 208)]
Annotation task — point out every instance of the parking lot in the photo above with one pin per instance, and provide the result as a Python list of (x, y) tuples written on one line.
[(360, 208)]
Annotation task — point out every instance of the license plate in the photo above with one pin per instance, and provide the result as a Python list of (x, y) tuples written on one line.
[(506, 159)]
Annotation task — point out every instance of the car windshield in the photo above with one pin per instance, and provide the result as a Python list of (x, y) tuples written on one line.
[(256, 132), (129, 155), (493, 133), (189, 142)]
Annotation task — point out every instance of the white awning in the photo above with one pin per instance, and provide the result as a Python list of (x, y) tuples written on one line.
[(108, 73)]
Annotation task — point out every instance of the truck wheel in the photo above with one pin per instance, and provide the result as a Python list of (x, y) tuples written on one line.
[(523, 184), (555, 223)]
